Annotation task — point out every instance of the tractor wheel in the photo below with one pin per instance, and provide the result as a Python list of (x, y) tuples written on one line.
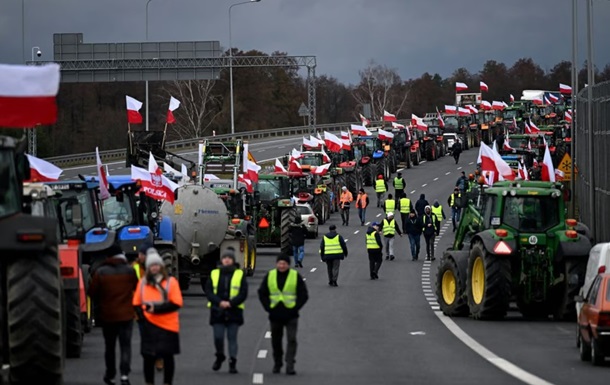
[(170, 259), (450, 289), (417, 158), (367, 175), (326, 206), (488, 284), (288, 217), (430, 152), (74, 326), (35, 320), (352, 183), (408, 163), (392, 161), (564, 306), (318, 207)]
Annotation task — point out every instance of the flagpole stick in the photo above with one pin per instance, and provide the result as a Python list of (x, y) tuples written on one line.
[(164, 135)]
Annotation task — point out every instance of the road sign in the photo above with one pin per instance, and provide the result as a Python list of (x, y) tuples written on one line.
[(250, 157), (303, 110), (566, 166)]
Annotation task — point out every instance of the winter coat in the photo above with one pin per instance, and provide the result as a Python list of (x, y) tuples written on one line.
[(429, 219), (280, 313), (298, 233), (413, 226), (112, 288), (375, 252), (456, 149), (234, 314), (395, 228), (332, 235), (420, 205)]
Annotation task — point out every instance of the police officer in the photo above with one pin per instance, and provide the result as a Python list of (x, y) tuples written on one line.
[(389, 205), (399, 186), (374, 247), (380, 189), (333, 249)]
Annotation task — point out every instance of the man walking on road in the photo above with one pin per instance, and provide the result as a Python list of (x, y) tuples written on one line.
[(399, 186), (389, 229), (461, 182), (456, 150), (374, 247), (389, 206), (455, 201), (362, 202), (430, 225), (282, 294), (381, 187), (333, 249), (405, 207), (420, 205), (112, 287), (413, 228), (298, 233), (346, 201), (437, 210)]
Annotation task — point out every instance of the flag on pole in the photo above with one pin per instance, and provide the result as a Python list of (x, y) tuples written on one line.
[(547, 170), (483, 86), (133, 110), (512, 98), (42, 171), (155, 185), (460, 86), (364, 120), (173, 105), (565, 89), (387, 117), (450, 109), (279, 167), (101, 174)]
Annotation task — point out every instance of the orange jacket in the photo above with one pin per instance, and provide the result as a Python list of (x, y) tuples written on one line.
[(346, 199), (151, 294), (361, 201)]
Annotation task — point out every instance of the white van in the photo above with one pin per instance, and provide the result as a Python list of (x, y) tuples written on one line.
[(599, 262)]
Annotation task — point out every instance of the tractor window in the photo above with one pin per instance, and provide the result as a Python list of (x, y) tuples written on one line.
[(451, 121), (487, 208), (87, 209), (510, 114), (518, 143), (9, 190), (311, 160), (117, 214), (530, 213), (269, 189)]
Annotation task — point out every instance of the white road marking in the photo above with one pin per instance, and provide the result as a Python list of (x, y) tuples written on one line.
[(499, 362), (304, 279), (435, 179), (427, 291), (424, 185), (356, 232), (282, 147), (346, 240), (448, 172), (459, 168), (430, 295), (267, 335), (426, 287), (367, 223), (314, 269), (257, 378), (262, 150), (262, 354), (471, 163), (400, 169), (412, 192), (418, 333), (435, 308), (423, 161), (378, 215)]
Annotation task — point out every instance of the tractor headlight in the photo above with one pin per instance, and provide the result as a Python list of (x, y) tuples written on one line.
[(513, 193)]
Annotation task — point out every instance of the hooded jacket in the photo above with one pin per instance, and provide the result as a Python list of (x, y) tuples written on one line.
[(421, 204), (298, 233), (429, 219), (112, 288), (413, 225), (234, 314), (331, 235)]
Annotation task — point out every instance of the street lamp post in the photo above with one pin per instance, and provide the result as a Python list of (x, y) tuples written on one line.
[(574, 93), (591, 81), (146, 82), (231, 63)]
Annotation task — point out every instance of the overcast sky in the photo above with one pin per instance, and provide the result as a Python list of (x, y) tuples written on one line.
[(413, 36)]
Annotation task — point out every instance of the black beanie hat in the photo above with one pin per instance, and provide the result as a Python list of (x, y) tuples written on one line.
[(283, 257)]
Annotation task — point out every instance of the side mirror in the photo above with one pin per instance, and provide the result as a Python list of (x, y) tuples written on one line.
[(579, 299), (75, 215)]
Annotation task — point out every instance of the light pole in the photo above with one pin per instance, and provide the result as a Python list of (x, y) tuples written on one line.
[(574, 93), (591, 81), (231, 63), (146, 82)]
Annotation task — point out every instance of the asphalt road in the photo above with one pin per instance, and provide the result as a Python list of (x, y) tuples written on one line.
[(387, 331)]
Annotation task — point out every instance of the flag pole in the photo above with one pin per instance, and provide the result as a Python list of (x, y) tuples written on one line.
[(129, 141), (164, 135)]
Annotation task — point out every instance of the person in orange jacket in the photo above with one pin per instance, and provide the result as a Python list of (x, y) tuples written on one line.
[(346, 201), (157, 300)]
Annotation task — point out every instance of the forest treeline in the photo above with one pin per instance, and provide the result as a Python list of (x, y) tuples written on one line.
[(94, 114)]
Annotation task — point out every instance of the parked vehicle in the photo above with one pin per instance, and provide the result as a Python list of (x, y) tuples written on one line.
[(594, 321), (309, 219), (599, 263)]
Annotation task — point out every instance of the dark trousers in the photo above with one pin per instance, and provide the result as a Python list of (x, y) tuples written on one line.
[(375, 261), (399, 194), (429, 245), (415, 243), (345, 215), (277, 336), (456, 156), (332, 266), (380, 196), (168, 369), (403, 220), (231, 330), (121, 331)]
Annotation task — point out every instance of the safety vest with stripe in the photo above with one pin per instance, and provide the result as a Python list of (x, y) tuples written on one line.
[(166, 291), (398, 183), (380, 186), (405, 205), (332, 246), (389, 228), (452, 199), (438, 212), (371, 242), (288, 295), (238, 274)]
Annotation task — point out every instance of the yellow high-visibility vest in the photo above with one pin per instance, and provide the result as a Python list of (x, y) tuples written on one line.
[(332, 246), (288, 295), (389, 228), (398, 183), (405, 205), (380, 186), (371, 241), (235, 284), (390, 205)]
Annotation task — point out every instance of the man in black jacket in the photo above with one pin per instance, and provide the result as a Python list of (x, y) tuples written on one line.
[(333, 249), (420, 205), (413, 228), (374, 247), (430, 229), (227, 290), (282, 294), (298, 233)]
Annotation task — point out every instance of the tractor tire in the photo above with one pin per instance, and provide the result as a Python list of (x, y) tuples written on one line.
[(408, 162), (430, 152), (326, 205), (488, 284), (288, 217), (392, 161), (367, 175), (450, 288), (382, 168), (318, 207), (417, 158), (564, 306), (74, 326), (170, 259), (352, 183), (35, 320)]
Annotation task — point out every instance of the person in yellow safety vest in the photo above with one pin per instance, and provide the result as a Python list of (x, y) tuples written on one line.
[(438, 211), (333, 249), (430, 224), (381, 187), (282, 294), (346, 202), (399, 186), (362, 201), (405, 207), (389, 206), (374, 247), (389, 228), (227, 291), (455, 202)]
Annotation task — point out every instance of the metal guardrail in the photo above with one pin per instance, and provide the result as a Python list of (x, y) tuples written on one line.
[(120, 154)]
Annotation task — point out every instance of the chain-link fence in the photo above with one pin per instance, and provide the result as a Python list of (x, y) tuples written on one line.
[(592, 154)]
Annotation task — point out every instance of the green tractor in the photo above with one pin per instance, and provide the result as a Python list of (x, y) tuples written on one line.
[(514, 243)]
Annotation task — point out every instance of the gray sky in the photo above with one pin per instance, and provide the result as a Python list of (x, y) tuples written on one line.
[(413, 36)]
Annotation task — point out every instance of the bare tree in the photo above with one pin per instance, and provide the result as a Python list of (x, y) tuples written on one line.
[(199, 107), (382, 88)]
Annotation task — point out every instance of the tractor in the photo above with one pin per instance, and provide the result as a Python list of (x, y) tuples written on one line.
[(513, 243), (372, 158)]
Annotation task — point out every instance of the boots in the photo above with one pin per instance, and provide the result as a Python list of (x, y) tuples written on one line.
[(220, 358), (232, 365)]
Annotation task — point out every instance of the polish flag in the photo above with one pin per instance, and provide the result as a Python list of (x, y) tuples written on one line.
[(494, 147), (414, 119), (152, 164), (209, 177), (279, 167), (360, 130), (559, 175), (325, 157), (309, 143), (450, 109), (553, 98), (346, 140), (493, 163), (316, 142), (565, 89), (523, 174), (398, 125), (252, 170), (385, 135), (568, 116), (485, 105), (27, 95), (294, 166), (483, 86), (506, 146), (512, 98), (133, 110), (537, 101), (295, 154), (387, 117), (333, 143), (472, 109), (101, 174), (364, 120), (420, 125), (441, 122), (173, 105), (504, 104), (244, 179), (547, 170), (321, 170), (533, 128), (155, 185), (547, 101), (460, 87), (499, 106), (42, 171), (463, 111)]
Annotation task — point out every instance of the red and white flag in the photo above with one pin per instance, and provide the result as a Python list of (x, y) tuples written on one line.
[(42, 171), (499, 106), (483, 86), (506, 145), (463, 111), (173, 105), (244, 179), (27, 95), (568, 116), (296, 154), (152, 163), (441, 122), (418, 123), (450, 109), (101, 174), (385, 135), (252, 170), (309, 143), (559, 175), (346, 139), (473, 109), (460, 87), (537, 101), (493, 163), (547, 171), (523, 174), (322, 170), (553, 98), (485, 105), (387, 117), (360, 130), (155, 185), (294, 166), (209, 177), (512, 98), (133, 110), (533, 129), (398, 125), (547, 101), (332, 142), (325, 157), (316, 142), (279, 167), (364, 120), (565, 89)]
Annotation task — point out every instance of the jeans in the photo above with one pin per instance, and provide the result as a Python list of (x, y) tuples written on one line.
[(414, 241), (362, 215), (455, 216), (121, 331), (298, 253), (277, 335), (429, 245), (169, 366), (389, 246), (219, 338), (380, 196), (345, 215), (332, 267)]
